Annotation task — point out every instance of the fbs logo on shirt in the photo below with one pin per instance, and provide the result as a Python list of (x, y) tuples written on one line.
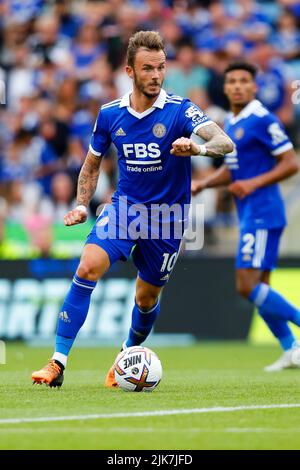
[(140, 150)]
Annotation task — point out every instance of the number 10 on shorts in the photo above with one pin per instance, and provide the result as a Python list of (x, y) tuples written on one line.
[(168, 262)]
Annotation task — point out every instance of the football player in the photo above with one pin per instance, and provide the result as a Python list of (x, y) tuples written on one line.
[(151, 130), (263, 156)]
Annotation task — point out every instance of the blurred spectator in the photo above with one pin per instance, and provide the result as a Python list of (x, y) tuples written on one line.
[(253, 23), (45, 78), (31, 158), (122, 81), (13, 167), (185, 76), (44, 158), (48, 43), (156, 12), (113, 31), (171, 34), (69, 23), (191, 16), (60, 200), (39, 228), (21, 200), (20, 78), (286, 40), (66, 99), (55, 134), (25, 10), (82, 125), (274, 89), (216, 80), (86, 49), (293, 6), (221, 33)]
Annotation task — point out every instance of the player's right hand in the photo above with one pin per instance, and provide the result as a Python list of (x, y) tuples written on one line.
[(76, 216), (197, 186)]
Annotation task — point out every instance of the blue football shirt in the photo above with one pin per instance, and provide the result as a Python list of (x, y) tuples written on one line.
[(258, 137), (148, 173)]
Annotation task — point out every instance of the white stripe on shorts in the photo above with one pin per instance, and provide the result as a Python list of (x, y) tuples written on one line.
[(261, 238)]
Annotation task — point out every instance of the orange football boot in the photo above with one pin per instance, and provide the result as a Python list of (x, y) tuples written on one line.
[(110, 380), (52, 374)]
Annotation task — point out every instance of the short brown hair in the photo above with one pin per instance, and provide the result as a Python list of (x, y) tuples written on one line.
[(151, 40)]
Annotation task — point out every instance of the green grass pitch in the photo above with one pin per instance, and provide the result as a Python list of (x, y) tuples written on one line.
[(207, 375)]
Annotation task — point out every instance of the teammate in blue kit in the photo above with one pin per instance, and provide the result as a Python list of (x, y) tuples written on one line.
[(263, 156), (150, 130)]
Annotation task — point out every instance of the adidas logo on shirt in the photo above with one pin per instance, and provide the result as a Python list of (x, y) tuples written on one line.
[(120, 132)]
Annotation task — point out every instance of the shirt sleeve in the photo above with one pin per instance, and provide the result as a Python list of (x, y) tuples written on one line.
[(273, 136), (101, 139), (192, 118)]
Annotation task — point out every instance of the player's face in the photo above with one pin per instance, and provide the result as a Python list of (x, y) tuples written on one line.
[(148, 72), (240, 87)]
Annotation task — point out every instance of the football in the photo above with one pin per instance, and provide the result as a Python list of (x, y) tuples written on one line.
[(138, 369)]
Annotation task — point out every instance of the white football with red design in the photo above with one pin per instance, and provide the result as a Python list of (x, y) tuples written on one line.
[(138, 369)]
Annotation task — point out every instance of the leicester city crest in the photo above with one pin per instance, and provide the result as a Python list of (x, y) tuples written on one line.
[(159, 130)]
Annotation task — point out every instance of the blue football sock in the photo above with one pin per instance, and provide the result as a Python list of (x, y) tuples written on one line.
[(280, 330), (141, 324), (73, 313), (274, 304)]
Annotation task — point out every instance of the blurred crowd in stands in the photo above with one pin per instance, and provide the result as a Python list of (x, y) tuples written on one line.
[(60, 60)]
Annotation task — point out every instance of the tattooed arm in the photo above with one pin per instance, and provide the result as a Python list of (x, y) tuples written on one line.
[(87, 183), (217, 143), (88, 179)]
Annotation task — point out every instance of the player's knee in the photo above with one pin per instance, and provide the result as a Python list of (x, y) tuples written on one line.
[(244, 288), (87, 270), (145, 301)]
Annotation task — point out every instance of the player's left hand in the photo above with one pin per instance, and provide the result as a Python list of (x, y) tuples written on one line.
[(184, 147), (242, 188)]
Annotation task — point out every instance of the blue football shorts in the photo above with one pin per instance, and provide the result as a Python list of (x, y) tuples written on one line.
[(154, 257), (258, 248)]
